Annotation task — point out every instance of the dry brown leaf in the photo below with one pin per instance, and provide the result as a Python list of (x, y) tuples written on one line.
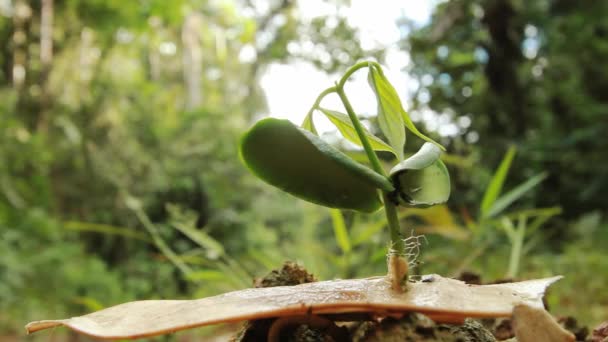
[(533, 324), (443, 299)]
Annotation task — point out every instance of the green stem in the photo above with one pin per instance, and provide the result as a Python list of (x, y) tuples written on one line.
[(516, 248), (320, 98), (354, 68), (397, 243), (397, 249), (373, 158)]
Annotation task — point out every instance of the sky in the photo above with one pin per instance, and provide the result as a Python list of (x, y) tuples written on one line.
[(377, 27)]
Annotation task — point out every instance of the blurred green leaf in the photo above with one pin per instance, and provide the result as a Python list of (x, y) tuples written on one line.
[(213, 247), (507, 199), (106, 229), (345, 126), (340, 231), (439, 220), (497, 182), (185, 222), (370, 230), (206, 275), (542, 219), (534, 212), (91, 304), (265, 258)]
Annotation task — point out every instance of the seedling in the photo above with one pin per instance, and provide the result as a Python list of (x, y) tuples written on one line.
[(297, 161)]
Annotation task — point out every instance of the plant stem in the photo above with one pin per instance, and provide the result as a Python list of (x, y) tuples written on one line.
[(398, 264), (354, 68), (320, 98), (397, 243), (373, 158), (517, 242)]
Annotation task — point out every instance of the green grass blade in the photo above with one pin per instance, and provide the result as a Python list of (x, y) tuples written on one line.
[(507, 199), (201, 238), (370, 230), (207, 275), (497, 182), (340, 230), (541, 220), (106, 229), (549, 211)]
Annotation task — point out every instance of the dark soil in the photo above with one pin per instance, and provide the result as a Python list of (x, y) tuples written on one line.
[(363, 327)]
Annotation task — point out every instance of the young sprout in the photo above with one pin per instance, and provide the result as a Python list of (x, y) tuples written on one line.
[(297, 161)]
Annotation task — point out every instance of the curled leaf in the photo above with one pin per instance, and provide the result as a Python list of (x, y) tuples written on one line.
[(305, 166), (422, 180), (345, 126), (442, 299)]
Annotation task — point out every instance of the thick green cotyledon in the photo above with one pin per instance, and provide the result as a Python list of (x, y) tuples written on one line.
[(303, 165)]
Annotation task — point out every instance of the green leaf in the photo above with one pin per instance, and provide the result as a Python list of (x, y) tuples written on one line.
[(422, 180), (410, 125), (309, 125), (106, 229), (507, 199), (541, 219), (389, 102), (207, 275), (89, 303), (345, 126), (201, 238), (497, 182), (340, 230), (305, 166), (390, 119), (536, 212)]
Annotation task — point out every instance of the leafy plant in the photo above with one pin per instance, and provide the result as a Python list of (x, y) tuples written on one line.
[(297, 161), (518, 225)]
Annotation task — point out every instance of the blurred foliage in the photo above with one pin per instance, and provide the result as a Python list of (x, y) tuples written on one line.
[(527, 73), (119, 124), (120, 178), (583, 263)]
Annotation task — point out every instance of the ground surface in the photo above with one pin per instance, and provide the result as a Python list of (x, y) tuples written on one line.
[(409, 327)]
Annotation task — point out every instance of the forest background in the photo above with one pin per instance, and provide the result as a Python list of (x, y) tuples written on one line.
[(120, 121)]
